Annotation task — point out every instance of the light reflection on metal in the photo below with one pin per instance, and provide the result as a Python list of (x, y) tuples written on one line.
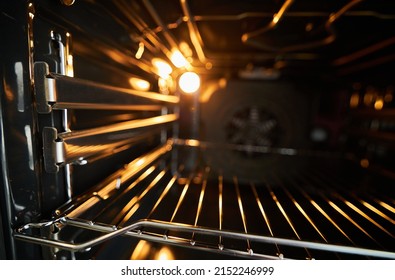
[(386, 205), (141, 251), (287, 218), (379, 104), (194, 34), (354, 100), (201, 197), (185, 49), (163, 28), (276, 18), (301, 210), (181, 199), (67, 2), (28, 134), (248, 37), (318, 207), (364, 215), (345, 215), (74, 145), (119, 192), (264, 215), (109, 186), (134, 204), (178, 59), (220, 210), (242, 213), (163, 69), (133, 230), (18, 68), (316, 14), (140, 51), (135, 19), (139, 84), (62, 92), (164, 254), (377, 211), (364, 52), (163, 194)]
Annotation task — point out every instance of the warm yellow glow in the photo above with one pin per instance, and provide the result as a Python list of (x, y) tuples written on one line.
[(166, 85), (276, 18), (189, 82), (164, 254), (141, 251), (140, 162), (354, 100), (163, 68), (364, 163), (139, 84), (379, 104), (178, 59), (192, 142), (185, 49), (140, 51), (210, 88), (368, 98), (182, 181)]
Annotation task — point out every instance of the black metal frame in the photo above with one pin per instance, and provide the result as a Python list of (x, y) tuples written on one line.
[(20, 174)]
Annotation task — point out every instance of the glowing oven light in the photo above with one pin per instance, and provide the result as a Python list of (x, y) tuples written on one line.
[(189, 82)]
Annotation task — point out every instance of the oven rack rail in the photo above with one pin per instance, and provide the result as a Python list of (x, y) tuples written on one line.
[(150, 202), (136, 230)]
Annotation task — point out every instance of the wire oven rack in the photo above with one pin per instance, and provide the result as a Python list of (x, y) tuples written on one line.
[(314, 214)]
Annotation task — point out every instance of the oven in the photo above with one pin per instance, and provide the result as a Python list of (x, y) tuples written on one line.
[(185, 129)]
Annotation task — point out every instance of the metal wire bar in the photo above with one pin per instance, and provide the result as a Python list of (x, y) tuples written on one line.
[(181, 199), (265, 217), (284, 213), (242, 213), (362, 201), (110, 186), (133, 205), (334, 191), (119, 195), (163, 194), (345, 215), (56, 91), (201, 197), (309, 193), (112, 231), (303, 212), (220, 210), (326, 215)]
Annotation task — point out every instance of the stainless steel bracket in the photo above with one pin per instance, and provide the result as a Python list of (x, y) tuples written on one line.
[(54, 91), (78, 147), (54, 150)]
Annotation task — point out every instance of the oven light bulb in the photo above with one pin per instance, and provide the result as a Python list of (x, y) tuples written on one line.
[(189, 82)]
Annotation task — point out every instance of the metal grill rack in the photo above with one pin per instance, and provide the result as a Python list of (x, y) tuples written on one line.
[(315, 214)]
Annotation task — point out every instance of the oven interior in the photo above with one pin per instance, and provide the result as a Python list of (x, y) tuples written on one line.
[(281, 147)]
